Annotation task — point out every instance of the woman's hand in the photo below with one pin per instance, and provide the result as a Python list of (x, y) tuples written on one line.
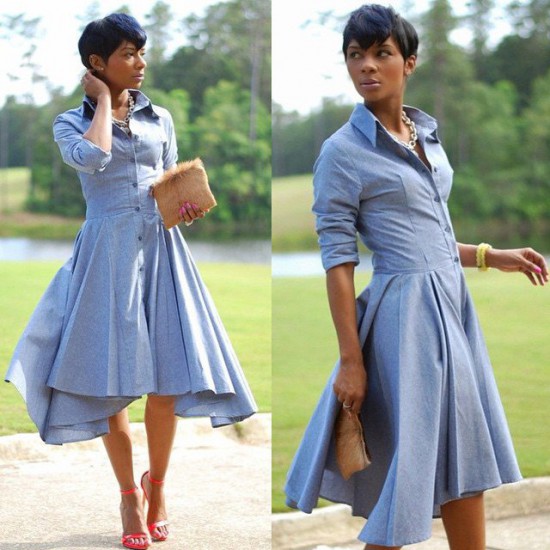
[(93, 86), (525, 260), (350, 385), (190, 211)]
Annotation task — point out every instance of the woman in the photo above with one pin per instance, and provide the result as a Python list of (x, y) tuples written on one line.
[(128, 315), (432, 417)]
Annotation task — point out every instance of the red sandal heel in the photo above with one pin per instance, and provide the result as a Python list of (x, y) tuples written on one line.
[(162, 523), (127, 538)]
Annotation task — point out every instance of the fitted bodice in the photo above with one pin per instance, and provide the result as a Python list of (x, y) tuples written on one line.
[(367, 184), (118, 181)]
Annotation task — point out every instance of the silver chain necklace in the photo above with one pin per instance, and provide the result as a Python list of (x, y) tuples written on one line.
[(411, 144), (124, 125)]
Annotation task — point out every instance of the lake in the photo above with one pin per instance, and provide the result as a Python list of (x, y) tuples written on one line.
[(242, 251)]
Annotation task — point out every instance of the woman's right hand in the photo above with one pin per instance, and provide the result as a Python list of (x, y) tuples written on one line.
[(93, 86), (190, 211), (350, 385)]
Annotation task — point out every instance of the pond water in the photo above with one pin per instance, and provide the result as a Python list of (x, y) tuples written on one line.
[(307, 264), (242, 251)]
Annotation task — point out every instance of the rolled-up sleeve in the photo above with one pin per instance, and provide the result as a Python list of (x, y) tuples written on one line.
[(78, 152), (337, 197), (170, 153)]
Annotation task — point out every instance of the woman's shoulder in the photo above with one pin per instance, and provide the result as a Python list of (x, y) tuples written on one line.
[(338, 141)]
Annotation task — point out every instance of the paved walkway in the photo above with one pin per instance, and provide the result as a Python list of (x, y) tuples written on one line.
[(218, 490), (518, 518)]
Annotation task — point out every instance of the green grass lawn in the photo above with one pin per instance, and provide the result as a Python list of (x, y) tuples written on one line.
[(14, 188), (293, 226), (514, 315), (242, 294)]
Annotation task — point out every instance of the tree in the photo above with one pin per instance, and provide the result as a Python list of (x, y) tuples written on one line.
[(239, 169), (531, 17), (240, 32), (480, 19), (536, 140), (18, 29), (158, 24)]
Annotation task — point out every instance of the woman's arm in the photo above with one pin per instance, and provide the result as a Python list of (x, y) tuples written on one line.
[(524, 260), (350, 385), (100, 131)]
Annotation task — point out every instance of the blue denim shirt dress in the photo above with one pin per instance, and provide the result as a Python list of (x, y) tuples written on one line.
[(433, 419), (128, 314)]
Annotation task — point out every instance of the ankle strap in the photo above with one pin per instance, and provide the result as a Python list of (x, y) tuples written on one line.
[(156, 481), (128, 491)]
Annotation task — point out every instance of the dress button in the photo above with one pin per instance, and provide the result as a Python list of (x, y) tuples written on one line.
[(435, 168), (140, 238), (448, 229), (455, 258), (134, 184), (138, 208), (141, 268), (436, 198)]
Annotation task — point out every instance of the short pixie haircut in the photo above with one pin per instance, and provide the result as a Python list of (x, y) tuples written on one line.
[(103, 36), (372, 24)]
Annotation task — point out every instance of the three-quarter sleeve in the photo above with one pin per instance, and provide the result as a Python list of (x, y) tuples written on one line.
[(76, 151), (170, 152), (337, 197)]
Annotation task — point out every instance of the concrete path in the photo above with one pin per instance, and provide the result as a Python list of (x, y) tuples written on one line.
[(218, 490), (518, 518)]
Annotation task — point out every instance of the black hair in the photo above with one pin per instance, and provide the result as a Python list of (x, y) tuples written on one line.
[(372, 24), (103, 36)]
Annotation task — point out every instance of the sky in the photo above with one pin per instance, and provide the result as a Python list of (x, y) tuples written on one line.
[(57, 54), (307, 62)]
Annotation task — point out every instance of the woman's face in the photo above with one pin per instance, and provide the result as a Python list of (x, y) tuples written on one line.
[(125, 67), (379, 73)]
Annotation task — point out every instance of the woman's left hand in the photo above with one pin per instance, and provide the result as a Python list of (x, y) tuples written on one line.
[(524, 260), (190, 211)]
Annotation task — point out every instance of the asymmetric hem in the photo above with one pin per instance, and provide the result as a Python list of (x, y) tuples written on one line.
[(128, 314), (432, 418)]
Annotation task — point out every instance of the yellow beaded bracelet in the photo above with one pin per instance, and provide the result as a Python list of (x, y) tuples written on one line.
[(481, 250)]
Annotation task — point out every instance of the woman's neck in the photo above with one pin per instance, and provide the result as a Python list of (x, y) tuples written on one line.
[(389, 115), (119, 99)]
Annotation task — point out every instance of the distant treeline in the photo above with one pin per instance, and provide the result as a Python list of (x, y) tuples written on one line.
[(218, 90), (493, 109)]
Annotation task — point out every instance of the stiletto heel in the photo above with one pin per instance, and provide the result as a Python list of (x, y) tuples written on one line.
[(155, 525), (126, 538)]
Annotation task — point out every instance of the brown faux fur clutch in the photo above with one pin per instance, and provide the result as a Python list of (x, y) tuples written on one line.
[(185, 182), (352, 454)]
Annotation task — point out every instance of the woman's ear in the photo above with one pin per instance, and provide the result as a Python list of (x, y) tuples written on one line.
[(96, 63), (410, 65)]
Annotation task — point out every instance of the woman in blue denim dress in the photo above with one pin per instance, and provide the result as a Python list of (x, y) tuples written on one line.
[(128, 315), (432, 416)]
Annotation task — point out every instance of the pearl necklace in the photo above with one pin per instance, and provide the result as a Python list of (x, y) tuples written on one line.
[(411, 144), (124, 125)]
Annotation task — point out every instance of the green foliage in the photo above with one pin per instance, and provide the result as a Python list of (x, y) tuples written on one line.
[(297, 139), (238, 167), (305, 349), (241, 293)]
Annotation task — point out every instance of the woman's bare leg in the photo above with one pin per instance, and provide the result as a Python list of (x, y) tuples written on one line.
[(118, 443), (464, 522), (161, 424)]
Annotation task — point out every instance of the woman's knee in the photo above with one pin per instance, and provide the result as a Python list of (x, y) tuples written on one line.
[(161, 403)]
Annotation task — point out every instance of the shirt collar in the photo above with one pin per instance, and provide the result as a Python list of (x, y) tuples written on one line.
[(366, 122), (142, 102)]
